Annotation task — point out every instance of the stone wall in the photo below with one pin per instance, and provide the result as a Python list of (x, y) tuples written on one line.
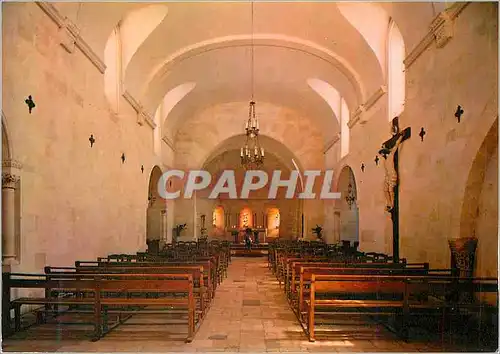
[(433, 172), (77, 202)]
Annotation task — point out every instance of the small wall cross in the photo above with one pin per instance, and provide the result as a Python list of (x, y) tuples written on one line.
[(30, 103), (458, 113), (422, 134)]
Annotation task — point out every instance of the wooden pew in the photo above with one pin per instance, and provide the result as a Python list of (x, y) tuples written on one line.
[(209, 266), (105, 288), (297, 265), (201, 291), (390, 295), (307, 273)]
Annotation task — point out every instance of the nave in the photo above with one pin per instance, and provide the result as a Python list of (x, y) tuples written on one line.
[(249, 313)]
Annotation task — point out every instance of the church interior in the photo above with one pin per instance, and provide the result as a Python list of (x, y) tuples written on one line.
[(396, 102)]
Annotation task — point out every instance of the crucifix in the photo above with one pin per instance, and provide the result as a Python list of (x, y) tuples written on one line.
[(391, 182)]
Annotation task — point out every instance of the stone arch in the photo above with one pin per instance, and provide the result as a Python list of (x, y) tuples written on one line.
[(156, 225), (347, 211), (479, 213), (267, 39), (122, 44), (199, 139)]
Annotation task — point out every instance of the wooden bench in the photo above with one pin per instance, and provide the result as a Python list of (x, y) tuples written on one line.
[(105, 299), (209, 266), (389, 295), (296, 269), (201, 291), (307, 273)]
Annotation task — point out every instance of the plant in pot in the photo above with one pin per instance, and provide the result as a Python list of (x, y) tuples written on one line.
[(318, 232), (177, 231)]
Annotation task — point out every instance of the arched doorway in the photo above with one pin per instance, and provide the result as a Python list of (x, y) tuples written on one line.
[(156, 225), (479, 214), (347, 207)]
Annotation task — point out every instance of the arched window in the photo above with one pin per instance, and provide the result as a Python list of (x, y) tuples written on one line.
[(396, 71), (344, 128)]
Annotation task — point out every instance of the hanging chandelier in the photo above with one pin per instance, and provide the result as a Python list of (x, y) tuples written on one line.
[(252, 154)]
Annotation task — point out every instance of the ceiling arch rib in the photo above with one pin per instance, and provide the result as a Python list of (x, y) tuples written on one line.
[(199, 136), (173, 97), (278, 149), (328, 93), (95, 20), (310, 106), (227, 78), (146, 92)]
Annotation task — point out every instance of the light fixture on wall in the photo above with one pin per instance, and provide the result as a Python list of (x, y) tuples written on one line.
[(92, 140), (350, 198), (252, 154)]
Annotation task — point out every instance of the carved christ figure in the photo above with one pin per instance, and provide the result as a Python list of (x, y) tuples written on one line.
[(391, 176)]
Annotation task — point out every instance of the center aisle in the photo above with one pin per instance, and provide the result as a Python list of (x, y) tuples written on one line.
[(249, 313)]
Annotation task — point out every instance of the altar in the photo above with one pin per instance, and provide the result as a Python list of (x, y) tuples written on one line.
[(238, 235)]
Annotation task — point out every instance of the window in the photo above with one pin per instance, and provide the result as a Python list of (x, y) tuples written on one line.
[(396, 71)]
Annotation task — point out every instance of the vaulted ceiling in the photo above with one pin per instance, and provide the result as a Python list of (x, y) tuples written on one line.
[(208, 46)]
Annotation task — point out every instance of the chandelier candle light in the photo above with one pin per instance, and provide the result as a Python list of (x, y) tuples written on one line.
[(252, 155)]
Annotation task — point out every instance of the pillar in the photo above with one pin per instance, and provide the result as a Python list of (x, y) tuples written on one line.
[(9, 183), (163, 226), (195, 218)]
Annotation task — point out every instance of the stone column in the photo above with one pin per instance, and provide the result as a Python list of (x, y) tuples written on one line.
[(9, 182), (163, 227)]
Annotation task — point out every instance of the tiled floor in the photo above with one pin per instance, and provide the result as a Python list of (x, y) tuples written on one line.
[(249, 314)]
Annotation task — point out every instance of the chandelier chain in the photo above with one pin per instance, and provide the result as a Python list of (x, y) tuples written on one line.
[(252, 49), (252, 154)]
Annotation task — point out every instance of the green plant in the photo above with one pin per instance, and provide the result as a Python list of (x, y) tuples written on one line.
[(178, 229), (317, 231)]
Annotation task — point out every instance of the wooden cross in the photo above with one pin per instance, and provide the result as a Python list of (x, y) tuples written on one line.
[(388, 147)]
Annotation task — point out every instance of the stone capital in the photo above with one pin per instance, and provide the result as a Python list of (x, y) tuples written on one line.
[(9, 180), (442, 28), (7, 164)]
